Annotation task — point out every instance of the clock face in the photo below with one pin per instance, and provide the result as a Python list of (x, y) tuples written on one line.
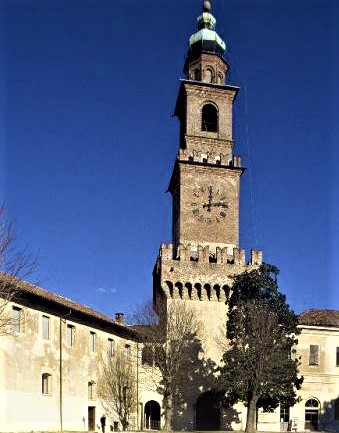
[(209, 204)]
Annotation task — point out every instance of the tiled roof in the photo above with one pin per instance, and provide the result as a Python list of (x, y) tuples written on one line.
[(320, 318), (23, 289)]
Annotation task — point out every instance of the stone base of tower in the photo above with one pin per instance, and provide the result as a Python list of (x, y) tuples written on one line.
[(201, 279)]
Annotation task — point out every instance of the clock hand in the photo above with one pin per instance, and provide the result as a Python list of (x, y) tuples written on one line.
[(220, 203), (210, 198)]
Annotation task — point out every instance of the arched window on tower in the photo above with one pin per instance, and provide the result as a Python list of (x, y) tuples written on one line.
[(209, 118), (209, 75), (196, 74)]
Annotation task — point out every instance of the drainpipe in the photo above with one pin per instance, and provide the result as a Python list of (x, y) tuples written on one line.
[(60, 372), (61, 320), (138, 385)]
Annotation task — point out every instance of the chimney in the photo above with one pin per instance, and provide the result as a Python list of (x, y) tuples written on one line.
[(119, 318)]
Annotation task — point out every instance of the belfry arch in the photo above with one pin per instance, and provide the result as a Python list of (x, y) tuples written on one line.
[(209, 118)]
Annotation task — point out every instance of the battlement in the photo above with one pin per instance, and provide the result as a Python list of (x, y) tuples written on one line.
[(205, 255), (201, 274), (209, 158)]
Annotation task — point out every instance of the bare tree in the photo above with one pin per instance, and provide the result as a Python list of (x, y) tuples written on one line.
[(117, 386), (15, 263), (170, 339)]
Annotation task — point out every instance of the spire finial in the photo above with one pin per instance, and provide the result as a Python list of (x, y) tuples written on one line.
[(206, 6)]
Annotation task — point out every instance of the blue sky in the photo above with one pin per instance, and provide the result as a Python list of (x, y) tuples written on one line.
[(88, 143)]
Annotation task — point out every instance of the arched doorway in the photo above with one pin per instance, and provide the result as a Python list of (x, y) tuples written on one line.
[(152, 415), (312, 407), (207, 412)]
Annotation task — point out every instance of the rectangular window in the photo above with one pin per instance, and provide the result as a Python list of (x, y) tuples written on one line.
[(46, 384), (91, 390), (314, 354), (110, 347), (284, 413), (92, 341), (45, 328), (127, 351), (337, 360), (70, 335), (17, 324)]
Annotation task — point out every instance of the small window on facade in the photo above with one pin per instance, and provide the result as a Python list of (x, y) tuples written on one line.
[(314, 354), (204, 160), (91, 390), (190, 158), (217, 160), (46, 384), (92, 341), (209, 118), (17, 319), (220, 78), (127, 351), (70, 335), (336, 409), (337, 357), (284, 413), (110, 347), (45, 327)]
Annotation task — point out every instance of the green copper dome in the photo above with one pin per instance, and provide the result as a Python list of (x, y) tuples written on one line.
[(206, 39)]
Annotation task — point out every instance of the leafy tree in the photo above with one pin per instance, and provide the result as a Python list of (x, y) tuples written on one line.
[(260, 368)]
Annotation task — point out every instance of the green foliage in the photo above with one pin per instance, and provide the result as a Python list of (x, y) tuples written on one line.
[(260, 367)]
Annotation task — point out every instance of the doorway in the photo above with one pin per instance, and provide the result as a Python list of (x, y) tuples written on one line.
[(152, 415), (312, 407), (207, 412), (91, 418)]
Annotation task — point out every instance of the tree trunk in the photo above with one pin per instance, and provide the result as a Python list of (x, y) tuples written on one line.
[(251, 421), (168, 412)]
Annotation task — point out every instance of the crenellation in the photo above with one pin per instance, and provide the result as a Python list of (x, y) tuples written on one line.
[(204, 273), (184, 252), (206, 255), (225, 159), (239, 256), (221, 254), (210, 157), (256, 258), (166, 251), (236, 161)]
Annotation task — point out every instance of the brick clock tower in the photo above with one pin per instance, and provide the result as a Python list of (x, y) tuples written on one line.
[(196, 267)]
